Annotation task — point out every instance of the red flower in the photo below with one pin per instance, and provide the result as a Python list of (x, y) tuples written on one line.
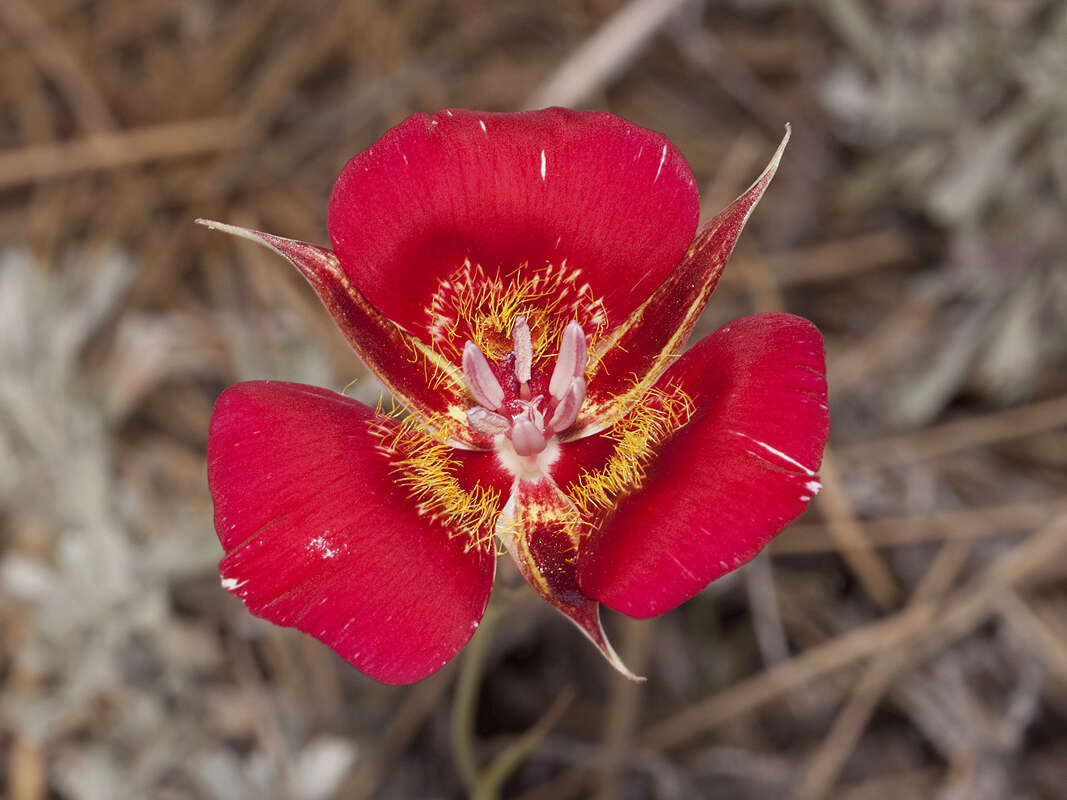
[(524, 284)]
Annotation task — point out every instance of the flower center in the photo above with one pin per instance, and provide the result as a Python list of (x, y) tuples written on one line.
[(516, 407)]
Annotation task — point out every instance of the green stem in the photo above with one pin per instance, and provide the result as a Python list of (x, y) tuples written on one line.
[(465, 702), (485, 783), (490, 781)]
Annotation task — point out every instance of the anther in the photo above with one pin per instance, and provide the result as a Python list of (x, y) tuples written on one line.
[(567, 410), (520, 336), (482, 420), (480, 379), (571, 360)]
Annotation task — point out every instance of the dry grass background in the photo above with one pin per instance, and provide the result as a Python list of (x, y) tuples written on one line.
[(907, 638)]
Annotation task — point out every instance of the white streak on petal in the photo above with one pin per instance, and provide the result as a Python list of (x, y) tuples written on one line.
[(779, 453), (685, 570), (662, 158), (544, 165)]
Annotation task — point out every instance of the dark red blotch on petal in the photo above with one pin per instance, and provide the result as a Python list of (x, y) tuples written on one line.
[(543, 548), (318, 535), (609, 197), (739, 471)]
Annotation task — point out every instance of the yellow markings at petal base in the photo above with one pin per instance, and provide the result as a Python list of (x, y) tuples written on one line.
[(471, 305), (659, 415), (424, 465)]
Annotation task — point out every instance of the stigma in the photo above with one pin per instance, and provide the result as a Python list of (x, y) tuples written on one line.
[(523, 408)]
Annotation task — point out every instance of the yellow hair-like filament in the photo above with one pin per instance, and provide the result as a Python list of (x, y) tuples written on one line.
[(422, 463), (472, 305), (657, 417)]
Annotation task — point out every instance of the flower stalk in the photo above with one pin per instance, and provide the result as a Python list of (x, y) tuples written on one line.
[(485, 783)]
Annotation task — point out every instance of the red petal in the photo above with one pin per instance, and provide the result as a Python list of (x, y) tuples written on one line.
[(319, 536), (541, 535), (657, 332), (506, 190), (417, 377), (726, 483)]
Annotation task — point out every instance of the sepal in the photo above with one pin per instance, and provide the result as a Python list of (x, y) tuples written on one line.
[(417, 377), (541, 529), (628, 361)]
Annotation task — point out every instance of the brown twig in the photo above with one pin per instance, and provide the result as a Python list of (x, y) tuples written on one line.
[(863, 360), (969, 523), (1046, 638), (419, 703), (605, 54), (169, 140), (952, 437), (917, 628), (623, 708), (59, 62), (850, 538), (833, 501), (833, 260), (826, 763)]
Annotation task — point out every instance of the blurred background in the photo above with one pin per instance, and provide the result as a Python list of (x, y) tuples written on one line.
[(907, 638)]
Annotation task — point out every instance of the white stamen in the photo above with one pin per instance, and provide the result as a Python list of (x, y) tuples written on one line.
[(482, 420), (571, 360), (567, 410), (481, 381), (520, 336)]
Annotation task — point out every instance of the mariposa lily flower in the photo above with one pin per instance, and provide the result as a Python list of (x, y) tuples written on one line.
[(524, 285)]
